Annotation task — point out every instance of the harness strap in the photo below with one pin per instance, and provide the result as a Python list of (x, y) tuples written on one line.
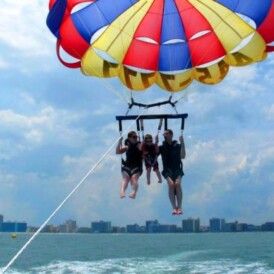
[(160, 124), (142, 128)]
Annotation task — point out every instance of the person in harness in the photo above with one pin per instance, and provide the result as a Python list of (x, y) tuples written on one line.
[(150, 154), (172, 152), (132, 167)]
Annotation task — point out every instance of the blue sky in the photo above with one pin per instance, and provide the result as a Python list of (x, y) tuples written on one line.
[(55, 124)]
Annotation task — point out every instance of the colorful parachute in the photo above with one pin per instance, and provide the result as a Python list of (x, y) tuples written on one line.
[(167, 42)]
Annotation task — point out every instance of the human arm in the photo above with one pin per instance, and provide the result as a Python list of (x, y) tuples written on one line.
[(119, 148), (183, 149)]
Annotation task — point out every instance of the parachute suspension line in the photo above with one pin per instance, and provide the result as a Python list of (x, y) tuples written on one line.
[(160, 126), (125, 93), (133, 103), (142, 128), (131, 100), (69, 196), (108, 86), (185, 95), (174, 105)]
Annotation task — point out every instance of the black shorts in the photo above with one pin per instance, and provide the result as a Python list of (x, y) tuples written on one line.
[(132, 171), (173, 174)]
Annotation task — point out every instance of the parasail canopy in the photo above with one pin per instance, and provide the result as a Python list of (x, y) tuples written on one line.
[(165, 42)]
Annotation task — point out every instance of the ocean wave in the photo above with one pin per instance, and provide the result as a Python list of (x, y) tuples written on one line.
[(149, 266)]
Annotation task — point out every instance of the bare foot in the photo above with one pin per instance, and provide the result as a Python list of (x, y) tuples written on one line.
[(122, 195), (132, 195), (174, 212), (179, 211)]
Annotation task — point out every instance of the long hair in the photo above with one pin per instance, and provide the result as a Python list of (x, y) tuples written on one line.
[(129, 135)]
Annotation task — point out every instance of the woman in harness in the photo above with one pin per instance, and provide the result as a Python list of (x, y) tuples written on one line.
[(150, 154), (132, 166)]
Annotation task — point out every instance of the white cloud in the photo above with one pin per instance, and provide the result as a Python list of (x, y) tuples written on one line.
[(3, 63), (217, 168), (264, 156), (269, 112), (47, 126), (270, 200), (10, 118), (9, 149), (27, 99), (17, 208), (242, 75), (20, 26), (270, 59)]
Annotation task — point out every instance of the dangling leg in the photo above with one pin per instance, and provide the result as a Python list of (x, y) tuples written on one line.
[(134, 184), (171, 194), (179, 194), (158, 176), (124, 185), (148, 175), (156, 169)]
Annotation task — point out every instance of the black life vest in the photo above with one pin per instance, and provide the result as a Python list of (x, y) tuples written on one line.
[(133, 156), (171, 155)]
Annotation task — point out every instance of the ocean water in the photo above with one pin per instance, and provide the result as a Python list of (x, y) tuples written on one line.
[(210, 253)]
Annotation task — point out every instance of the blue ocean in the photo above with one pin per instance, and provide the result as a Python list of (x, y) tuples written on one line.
[(211, 253)]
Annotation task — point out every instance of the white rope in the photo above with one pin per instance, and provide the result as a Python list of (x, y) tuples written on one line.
[(67, 198)]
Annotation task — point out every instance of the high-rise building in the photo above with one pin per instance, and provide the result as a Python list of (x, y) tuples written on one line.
[(167, 228), (84, 230), (62, 228), (268, 226), (71, 226), (153, 228), (191, 225), (1, 221), (14, 227), (216, 225), (241, 227), (50, 229), (101, 227), (150, 226), (133, 228), (231, 227)]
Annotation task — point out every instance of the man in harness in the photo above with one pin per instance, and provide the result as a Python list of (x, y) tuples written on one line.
[(172, 152)]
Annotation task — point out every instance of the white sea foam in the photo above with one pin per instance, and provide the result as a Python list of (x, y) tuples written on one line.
[(151, 266)]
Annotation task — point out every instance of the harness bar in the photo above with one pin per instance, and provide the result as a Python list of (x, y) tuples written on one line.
[(165, 117), (133, 103)]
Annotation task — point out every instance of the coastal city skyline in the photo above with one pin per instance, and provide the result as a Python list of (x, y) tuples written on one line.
[(150, 226)]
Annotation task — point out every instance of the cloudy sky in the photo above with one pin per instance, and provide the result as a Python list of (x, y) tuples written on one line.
[(56, 123)]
